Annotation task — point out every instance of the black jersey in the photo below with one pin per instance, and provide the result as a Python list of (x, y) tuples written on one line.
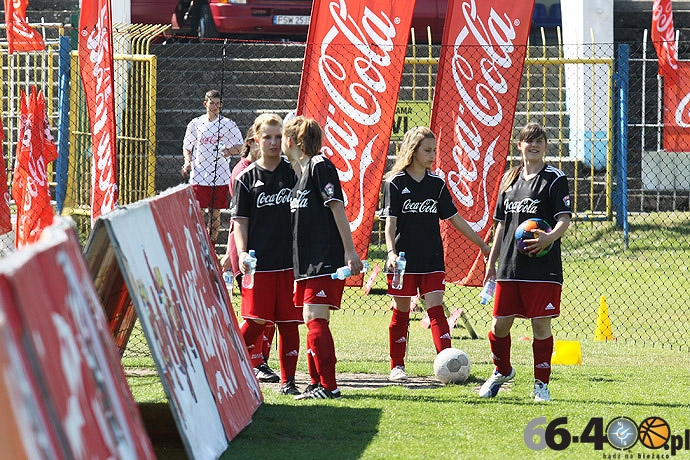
[(317, 246), (418, 206), (544, 196), (263, 197)]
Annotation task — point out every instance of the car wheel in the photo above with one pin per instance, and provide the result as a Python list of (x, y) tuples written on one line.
[(207, 28)]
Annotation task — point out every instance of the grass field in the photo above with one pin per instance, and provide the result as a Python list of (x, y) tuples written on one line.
[(423, 421), (643, 374)]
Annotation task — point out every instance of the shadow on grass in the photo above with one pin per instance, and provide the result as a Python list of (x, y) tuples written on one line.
[(313, 430)]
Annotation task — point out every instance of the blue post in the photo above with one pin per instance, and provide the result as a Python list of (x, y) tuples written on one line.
[(620, 197), (62, 162)]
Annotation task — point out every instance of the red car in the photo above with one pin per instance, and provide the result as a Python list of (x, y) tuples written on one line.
[(276, 19)]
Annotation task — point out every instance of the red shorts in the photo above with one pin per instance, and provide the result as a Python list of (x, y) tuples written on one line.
[(212, 196), (527, 299), (320, 290), (418, 283), (271, 298)]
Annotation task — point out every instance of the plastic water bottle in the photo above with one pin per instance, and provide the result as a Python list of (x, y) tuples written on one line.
[(227, 277), (248, 278), (221, 147), (344, 271), (399, 271), (488, 292)]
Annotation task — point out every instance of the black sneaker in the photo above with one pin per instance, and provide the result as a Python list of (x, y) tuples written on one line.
[(320, 393), (289, 388), (311, 387), (265, 374)]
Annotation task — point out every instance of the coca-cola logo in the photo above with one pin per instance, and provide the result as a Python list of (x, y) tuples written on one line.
[(662, 20), (99, 55), (482, 54), (427, 206), (299, 200), (526, 206), (273, 199), (354, 81)]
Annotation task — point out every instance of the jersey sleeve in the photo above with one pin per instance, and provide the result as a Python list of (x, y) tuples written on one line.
[(391, 200), (560, 196), (233, 135), (241, 199), (190, 137), (446, 207), (326, 178)]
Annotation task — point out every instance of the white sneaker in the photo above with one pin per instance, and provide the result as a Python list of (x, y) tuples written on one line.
[(398, 374), (493, 384), (541, 392)]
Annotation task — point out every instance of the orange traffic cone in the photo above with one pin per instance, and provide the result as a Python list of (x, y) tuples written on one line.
[(603, 330)]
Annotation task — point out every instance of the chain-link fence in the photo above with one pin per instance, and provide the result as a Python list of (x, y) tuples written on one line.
[(628, 248)]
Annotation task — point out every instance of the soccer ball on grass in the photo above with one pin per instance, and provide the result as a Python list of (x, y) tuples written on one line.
[(452, 366)]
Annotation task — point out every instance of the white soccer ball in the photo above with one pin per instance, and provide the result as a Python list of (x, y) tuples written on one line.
[(452, 366)]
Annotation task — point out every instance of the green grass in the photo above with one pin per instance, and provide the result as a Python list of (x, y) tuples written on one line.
[(449, 422)]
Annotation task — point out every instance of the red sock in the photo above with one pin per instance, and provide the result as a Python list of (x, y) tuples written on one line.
[(288, 350), (542, 350), (397, 336), (311, 364), (500, 352), (440, 332), (323, 351), (267, 340), (251, 332)]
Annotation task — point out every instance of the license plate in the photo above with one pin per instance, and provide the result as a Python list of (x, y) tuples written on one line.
[(291, 20)]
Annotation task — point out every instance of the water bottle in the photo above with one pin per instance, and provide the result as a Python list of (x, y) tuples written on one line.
[(344, 271), (488, 292), (248, 278), (221, 147), (399, 271), (227, 277)]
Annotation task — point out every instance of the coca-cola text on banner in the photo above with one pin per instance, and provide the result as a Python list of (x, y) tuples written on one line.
[(677, 110), (96, 69), (664, 38), (350, 82), (480, 69)]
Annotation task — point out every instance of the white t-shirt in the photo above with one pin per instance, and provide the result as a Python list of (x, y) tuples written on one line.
[(209, 167)]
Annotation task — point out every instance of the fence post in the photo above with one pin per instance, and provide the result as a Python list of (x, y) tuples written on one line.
[(620, 200), (62, 163)]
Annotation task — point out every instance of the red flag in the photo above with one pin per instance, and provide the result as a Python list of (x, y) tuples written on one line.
[(677, 110), (479, 75), (350, 82), (96, 67), (663, 37), (20, 36), (5, 214), (30, 188)]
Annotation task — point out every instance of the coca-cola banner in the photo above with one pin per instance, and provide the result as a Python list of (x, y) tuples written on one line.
[(664, 38), (174, 281), (350, 82), (480, 69), (20, 35), (677, 110), (96, 69)]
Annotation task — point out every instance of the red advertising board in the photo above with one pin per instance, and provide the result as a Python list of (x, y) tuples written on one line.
[(69, 346), (185, 311)]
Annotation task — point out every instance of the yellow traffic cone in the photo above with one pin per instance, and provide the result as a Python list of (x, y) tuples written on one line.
[(603, 330)]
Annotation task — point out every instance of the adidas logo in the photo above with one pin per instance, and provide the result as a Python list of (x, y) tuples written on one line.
[(405, 190), (259, 183), (321, 293), (401, 340), (550, 307), (446, 336), (543, 365)]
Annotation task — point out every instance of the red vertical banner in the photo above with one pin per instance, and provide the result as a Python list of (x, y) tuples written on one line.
[(677, 110), (5, 214), (350, 82), (480, 69), (20, 36), (664, 38), (96, 68), (30, 189)]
